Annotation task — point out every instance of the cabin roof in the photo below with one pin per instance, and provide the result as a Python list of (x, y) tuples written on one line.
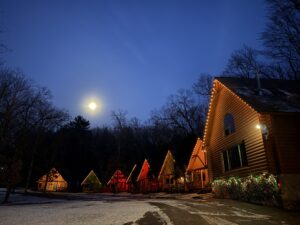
[(117, 177), (144, 172), (133, 174), (197, 159), (276, 95), (168, 161), (91, 178), (53, 176)]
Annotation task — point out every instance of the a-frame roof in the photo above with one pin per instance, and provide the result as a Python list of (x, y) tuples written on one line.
[(117, 177), (167, 167), (91, 178), (53, 175), (197, 160), (130, 176), (144, 171)]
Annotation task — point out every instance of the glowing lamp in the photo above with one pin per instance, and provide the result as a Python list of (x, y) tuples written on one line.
[(263, 128)]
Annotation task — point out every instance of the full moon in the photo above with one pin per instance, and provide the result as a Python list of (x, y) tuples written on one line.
[(92, 106)]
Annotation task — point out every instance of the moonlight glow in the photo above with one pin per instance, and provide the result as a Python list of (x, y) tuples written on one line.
[(92, 106)]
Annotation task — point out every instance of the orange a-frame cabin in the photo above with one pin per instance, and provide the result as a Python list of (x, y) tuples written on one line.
[(55, 182), (196, 172), (253, 127), (117, 182), (146, 180), (91, 183), (166, 177)]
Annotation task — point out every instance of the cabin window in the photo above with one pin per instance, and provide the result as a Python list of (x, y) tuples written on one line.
[(228, 124), (169, 180), (235, 157)]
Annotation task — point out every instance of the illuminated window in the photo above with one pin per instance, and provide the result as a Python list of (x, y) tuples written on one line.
[(228, 124), (235, 157)]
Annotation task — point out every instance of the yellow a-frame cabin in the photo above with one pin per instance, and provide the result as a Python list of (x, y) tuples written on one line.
[(55, 182), (91, 183), (166, 177)]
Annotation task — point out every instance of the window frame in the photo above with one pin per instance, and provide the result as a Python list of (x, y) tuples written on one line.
[(227, 156), (228, 124)]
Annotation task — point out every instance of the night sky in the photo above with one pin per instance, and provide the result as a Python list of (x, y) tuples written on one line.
[(129, 55)]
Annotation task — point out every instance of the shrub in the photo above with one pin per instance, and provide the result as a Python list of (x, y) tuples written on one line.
[(262, 189)]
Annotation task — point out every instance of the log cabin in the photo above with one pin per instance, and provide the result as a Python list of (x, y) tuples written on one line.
[(252, 126), (196, 171)]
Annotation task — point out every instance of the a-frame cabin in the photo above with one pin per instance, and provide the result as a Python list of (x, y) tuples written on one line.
[(91, 183), (196, 172), (55, 182), (117, 182), (166, 177), (146, 180)]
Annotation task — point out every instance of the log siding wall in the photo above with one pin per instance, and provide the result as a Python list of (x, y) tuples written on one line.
[(245, 119)]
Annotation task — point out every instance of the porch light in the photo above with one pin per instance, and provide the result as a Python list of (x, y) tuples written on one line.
[(263, 128), (181, 180)]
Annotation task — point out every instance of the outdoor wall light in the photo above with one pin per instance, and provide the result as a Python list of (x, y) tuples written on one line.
[(263, 128)]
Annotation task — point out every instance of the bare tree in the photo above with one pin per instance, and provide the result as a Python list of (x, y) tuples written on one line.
[(119, 118), (245, 63), (282, 35), (44, 117), (181, 112), (3, 48), (23, 107), (203, 85)]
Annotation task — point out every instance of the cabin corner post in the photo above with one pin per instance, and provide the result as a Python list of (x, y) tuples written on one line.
[(269, 145), (209, 164)]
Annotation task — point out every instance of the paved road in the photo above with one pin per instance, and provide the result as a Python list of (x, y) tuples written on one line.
[(132, 210)]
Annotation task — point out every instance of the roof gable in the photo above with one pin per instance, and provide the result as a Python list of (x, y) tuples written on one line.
[(275, 95), (167, 167), (197, 160), (91, 178), (117, 177), (144, 171), (53, 176), (214, 96)]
